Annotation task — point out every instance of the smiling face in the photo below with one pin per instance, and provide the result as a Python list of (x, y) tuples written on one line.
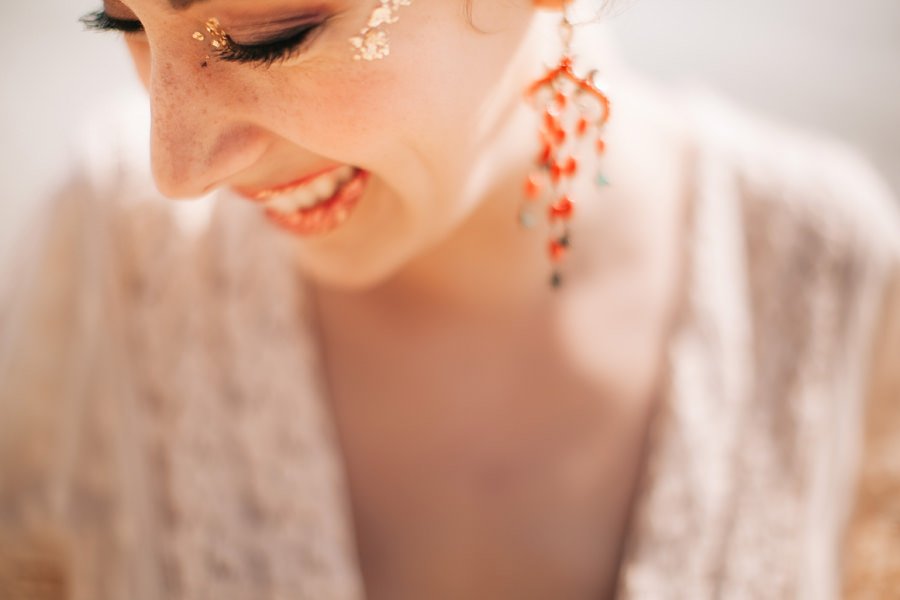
[(417, 127)]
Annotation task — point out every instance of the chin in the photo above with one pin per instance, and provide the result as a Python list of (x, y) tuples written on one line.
[(347, 273)]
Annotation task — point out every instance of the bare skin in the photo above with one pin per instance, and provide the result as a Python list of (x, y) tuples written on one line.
[(496, 453)]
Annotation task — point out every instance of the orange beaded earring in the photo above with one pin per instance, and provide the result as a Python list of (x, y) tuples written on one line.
[(574, 112)]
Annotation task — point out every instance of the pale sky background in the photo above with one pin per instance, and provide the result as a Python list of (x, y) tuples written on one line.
[(832, 65)]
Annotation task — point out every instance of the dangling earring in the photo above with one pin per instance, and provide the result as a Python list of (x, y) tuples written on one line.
[(574, 112)]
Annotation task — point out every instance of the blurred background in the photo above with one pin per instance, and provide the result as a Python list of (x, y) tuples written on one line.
[(832, 65)]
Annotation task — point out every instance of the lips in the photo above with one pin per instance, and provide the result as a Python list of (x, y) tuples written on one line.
[(315, 204)]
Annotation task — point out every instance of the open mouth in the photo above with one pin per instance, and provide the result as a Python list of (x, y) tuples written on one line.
[(316, 204)]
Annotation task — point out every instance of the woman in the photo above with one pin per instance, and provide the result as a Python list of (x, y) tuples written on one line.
[(370, 380)]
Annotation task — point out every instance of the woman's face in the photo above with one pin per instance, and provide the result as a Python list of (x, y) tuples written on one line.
[(420, 121)]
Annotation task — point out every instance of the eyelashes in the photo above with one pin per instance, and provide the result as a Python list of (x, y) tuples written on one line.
[(283, 48), (100, 21), (278, 50)]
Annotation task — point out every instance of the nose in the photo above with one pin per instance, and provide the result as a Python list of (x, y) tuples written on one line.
[(201, 133)]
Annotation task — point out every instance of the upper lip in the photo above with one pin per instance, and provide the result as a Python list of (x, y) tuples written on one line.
[(262, 193)]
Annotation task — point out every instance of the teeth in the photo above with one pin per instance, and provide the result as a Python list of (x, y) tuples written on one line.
[(316, 191), (324, 186), (289, 202), (304, 198)]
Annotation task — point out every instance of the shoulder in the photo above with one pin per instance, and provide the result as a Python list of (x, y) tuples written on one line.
[(819, 228), (798, 190), (816, 233), (813, 238)]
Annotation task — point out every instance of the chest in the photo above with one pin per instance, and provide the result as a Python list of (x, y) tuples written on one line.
[(481, 468)]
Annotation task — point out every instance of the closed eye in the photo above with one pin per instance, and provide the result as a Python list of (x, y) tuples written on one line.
[(284, 47)]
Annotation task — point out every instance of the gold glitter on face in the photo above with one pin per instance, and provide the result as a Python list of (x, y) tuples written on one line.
[(218, 39), (372, 43)]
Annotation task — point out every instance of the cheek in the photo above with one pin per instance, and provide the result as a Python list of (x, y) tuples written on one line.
[(356, 111)]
